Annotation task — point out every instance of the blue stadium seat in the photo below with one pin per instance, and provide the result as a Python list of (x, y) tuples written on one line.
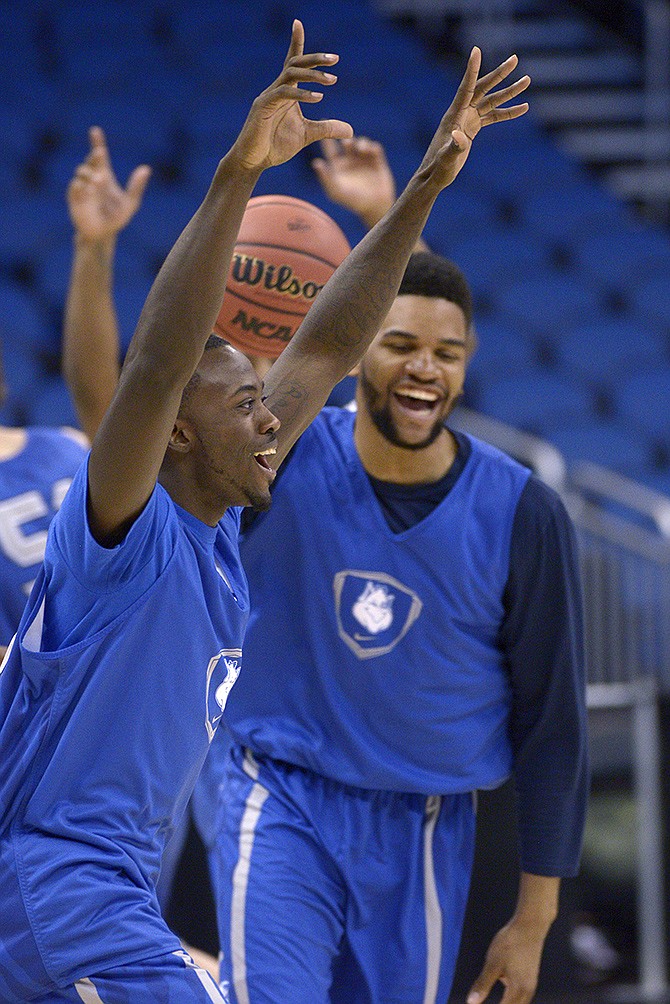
[(489, 254), (106, 63), (52, 404), (651, 299), (610, 444), (623, 254), (31, 223), (131, 266), (80, 24), (549, 303), (501, 351), (22, 321), (201, 24), (602, 349), (658, 480), (535, 398), (163, 216), (21, 364), (644, 401), (519, 161), (568, 211)]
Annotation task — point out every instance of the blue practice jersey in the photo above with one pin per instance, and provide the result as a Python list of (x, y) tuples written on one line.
[(393, 660), (109, 698), (32, 486)]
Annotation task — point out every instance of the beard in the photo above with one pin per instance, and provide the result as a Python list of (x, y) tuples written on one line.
[(385, 424), (260, 503)]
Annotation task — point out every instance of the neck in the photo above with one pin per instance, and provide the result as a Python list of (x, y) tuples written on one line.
[(188, 495), (12, 441), (388, 462)]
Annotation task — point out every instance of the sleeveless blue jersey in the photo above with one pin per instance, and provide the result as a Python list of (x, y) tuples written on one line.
[(390, 675), (109, 698), (32, 487)]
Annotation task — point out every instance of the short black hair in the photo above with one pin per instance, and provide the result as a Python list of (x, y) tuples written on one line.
[(429, 274), (213, 342)]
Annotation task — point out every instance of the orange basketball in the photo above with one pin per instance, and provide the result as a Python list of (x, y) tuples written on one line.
[(286, 251)]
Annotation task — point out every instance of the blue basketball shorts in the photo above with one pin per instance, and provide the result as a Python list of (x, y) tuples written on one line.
[(328, 893), (166, 978)]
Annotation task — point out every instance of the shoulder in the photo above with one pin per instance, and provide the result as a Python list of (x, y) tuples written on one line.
[(543, 535), (541, 505), (331, 427), (485, 453)]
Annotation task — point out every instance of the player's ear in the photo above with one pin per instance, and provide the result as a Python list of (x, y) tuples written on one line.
[(181, 437)]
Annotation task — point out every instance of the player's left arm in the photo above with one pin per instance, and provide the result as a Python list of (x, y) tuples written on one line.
[(350, 309), (543, 638)]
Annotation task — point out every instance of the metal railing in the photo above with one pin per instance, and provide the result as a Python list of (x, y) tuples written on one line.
[(623, 531)]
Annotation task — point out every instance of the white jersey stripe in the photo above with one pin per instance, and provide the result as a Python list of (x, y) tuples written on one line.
[(431, 902), (252, 812), (87, 992)]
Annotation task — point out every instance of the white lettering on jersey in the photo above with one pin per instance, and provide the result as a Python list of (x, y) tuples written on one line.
[(26, 549)]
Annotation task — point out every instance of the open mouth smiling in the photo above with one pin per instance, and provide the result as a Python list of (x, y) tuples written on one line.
[(260, 458), (415, 399)]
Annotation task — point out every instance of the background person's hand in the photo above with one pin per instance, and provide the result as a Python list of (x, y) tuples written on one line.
[(355, 174), (99, 207)]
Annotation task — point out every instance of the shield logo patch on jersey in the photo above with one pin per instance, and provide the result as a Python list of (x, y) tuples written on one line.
[(374, 611), (222, 672)]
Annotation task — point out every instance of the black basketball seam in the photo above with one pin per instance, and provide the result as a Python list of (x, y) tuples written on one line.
[(282, 247), (265, 306), (290, 202)]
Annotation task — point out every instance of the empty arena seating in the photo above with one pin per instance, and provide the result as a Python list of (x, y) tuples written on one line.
[(572, 299)]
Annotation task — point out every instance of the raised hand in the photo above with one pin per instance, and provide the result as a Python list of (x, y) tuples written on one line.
[(99, 206), (275, 129), (355, 174), (475, 105)]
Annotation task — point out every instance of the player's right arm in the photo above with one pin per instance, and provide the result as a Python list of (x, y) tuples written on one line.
[(186, 296)]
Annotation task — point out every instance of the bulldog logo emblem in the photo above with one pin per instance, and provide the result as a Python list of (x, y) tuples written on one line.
[(374, 611)]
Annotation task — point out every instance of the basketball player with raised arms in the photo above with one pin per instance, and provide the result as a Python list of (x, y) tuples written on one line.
[(117, 678), (425, 641), (399, 658)]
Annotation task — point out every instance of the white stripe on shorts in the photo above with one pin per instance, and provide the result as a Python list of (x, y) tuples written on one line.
[(252, 811), (205, 978), (87, 992), (431, 902)]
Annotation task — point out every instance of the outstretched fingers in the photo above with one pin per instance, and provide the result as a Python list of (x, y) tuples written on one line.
[(466, 88), (495, 77), (297, 43), (327, 129), (489, 107)]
